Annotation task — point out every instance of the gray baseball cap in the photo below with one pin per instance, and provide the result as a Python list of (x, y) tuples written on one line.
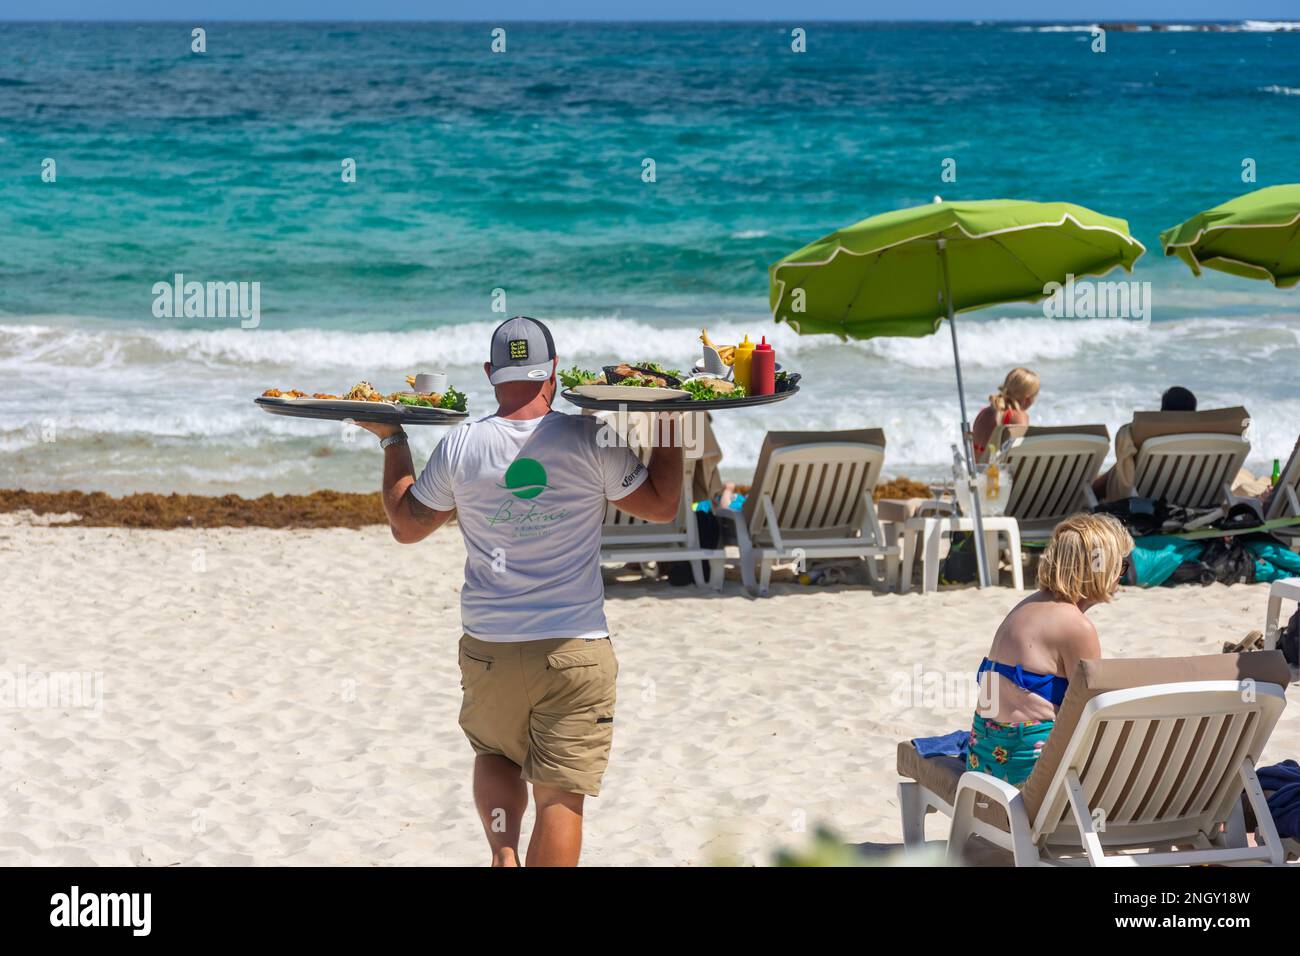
[(522, 351)]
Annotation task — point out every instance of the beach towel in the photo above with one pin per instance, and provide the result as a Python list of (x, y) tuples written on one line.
[(1273, 561), (949, 745), (1283, 780), (1156, 557)]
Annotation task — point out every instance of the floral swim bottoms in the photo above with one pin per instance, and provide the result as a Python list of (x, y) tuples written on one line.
[(1006, 751)]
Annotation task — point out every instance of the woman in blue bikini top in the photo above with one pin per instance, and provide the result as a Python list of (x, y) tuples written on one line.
[(1024, 678)]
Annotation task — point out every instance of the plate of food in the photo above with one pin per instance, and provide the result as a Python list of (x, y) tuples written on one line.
[(630, 393), (643, 382), (363, 402), (649, 386)]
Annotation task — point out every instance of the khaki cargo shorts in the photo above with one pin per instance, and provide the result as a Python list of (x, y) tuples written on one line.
[(546, 705)]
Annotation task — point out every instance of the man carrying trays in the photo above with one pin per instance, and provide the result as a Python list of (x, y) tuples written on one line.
[(528, 486)]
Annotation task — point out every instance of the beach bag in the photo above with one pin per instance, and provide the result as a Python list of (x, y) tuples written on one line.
[(1224, 560), (1241, 517), (961, 566), (679, 572), (1141, 516)]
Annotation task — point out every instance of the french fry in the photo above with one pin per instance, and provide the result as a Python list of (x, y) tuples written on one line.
[(725, 352)]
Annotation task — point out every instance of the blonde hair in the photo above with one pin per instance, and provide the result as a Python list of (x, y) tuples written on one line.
[(1018, 390), (1083, 560)]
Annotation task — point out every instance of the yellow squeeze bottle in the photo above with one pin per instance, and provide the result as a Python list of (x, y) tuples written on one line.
[(993, 488), (741, 363)]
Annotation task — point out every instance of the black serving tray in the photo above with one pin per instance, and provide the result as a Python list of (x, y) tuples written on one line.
[(384, 413)]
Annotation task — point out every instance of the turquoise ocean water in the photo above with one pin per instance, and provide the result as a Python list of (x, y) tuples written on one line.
[(522, 171)]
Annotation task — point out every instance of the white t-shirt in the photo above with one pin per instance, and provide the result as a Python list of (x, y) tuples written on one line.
[(530, 501)]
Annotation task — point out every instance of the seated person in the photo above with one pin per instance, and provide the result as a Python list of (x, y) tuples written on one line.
[(1008, 406), (1038, 645), (1114, 484)]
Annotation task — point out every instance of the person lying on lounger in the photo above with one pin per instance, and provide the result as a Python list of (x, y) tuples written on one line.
[(1111, 484), (1024, 677)]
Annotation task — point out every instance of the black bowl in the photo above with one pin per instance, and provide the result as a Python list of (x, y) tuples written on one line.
[(788, 381)]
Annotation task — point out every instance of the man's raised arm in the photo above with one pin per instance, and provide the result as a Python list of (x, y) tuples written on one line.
[(409, 518), (660, 495)]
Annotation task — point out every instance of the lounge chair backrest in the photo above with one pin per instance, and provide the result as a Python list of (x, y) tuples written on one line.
[(1000, 436), (1186, 457), (1224, 421), (1281, 504), (1155, 743), (619, 524), (1051, 467), (816, 481), (1189, 470)]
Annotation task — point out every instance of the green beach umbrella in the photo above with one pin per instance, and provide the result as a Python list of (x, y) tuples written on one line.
[(1256, 236), (904, 272)]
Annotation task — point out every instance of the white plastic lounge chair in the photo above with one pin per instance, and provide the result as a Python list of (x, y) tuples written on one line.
[(1188, 458), (1052, 470), (1284, 501), (625, 539), (811, 498), (1145, 766), (1287, 589)]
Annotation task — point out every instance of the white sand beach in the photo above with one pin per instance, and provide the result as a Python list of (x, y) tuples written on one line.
[(290, 697)]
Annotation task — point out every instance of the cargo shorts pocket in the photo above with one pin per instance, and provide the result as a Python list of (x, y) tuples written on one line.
[(580, 679), (475, 666), (571, 729), (569, 752)]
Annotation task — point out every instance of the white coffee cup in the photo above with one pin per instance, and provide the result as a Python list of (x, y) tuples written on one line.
[(431, 382)]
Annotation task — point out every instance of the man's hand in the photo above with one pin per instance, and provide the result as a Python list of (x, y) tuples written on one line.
[(378, 428)]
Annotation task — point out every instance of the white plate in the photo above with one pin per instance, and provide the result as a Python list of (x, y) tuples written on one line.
[(628, 393)]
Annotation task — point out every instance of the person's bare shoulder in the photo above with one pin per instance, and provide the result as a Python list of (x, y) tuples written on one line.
[(1083, 638), (1065, 622)]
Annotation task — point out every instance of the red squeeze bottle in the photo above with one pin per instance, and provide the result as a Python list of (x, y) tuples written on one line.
[(762, 370)]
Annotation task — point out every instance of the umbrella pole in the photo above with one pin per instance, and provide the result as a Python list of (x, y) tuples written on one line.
[(981, 558)]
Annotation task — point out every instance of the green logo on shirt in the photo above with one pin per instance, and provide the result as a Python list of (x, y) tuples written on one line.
[(525, 478)]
